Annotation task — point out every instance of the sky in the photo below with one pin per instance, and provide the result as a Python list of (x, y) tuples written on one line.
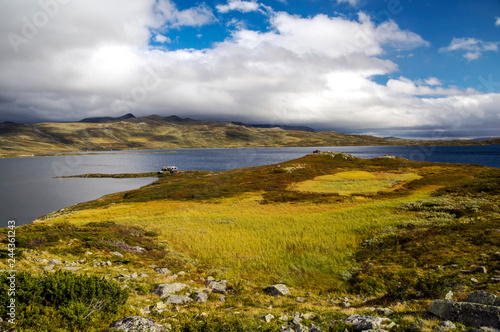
[(406, 68)]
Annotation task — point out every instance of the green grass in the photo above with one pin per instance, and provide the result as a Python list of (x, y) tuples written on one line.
[(354, 182), (248, 227)]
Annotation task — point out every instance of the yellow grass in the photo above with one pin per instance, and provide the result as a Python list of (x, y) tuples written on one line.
[(353, 182), (300, 244)]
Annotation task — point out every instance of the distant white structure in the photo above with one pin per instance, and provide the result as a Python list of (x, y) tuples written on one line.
[(171, 169)]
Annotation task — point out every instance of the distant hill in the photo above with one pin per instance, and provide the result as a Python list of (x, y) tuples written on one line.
[(108, 119), (173, 132)]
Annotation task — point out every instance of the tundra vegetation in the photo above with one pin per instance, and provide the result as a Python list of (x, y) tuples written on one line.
[(333, 228)]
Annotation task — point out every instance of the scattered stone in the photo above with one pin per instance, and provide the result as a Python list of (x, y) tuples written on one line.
[(137, 249), (43, 261), (222, 298), (296, 319), (480, 269), (314, 328), (210, 278), (172, 277), (159, 306), (449, 296), (217, 286), (385, 311), (181, 273), (308, 316), (165, 290), (89, 253), (268, 318), (143, 275), (72, 268), (362, 323), (199, 296), (55, 262), (134, 275), (277, 290), (162, 270), (177, 299), (300, 299), (49, 267), (473, 314), (283, 318), (474, 280), (116, 253), (494, 280), (138, 323), (483, 297), (344, 303)]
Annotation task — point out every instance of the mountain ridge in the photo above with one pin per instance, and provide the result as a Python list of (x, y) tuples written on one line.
[(173, 132)]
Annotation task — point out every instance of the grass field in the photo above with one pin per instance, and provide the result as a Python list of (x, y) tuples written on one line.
[(324, 225), (354, 182)]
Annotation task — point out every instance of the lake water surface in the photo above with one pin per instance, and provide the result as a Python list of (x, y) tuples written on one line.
[(29, 190)]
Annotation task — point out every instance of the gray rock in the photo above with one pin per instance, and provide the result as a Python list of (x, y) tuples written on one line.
[(483, 297), (480, 269), (116, 253), (162, 270), (362, 323), (165, 290), (268, 318), (222, 298), (473, 314), (300, 299), (385, 311), (72, 268), (314, 328), (177, 299), (159, 306), (494, 280), (296, 319), (200, 296), (449, 296), (217, 286), (55, 262), (137, 323), (48, 267), (277, 290)]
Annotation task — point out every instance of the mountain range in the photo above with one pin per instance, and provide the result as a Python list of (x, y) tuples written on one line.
[(172, 132)]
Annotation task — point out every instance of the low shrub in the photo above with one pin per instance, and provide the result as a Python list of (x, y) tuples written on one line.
[(62, 300)]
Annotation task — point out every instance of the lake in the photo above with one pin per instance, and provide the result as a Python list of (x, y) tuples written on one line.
[(29, 188)]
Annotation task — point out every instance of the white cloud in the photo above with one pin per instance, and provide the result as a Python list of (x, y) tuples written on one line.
[(162, 39), (497, 21), (433, 81), (167, 13), (351, 2), (474, 48), (317, 71), (239, 5)]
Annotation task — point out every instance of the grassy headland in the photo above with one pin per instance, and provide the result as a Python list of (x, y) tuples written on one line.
[(381, 231)]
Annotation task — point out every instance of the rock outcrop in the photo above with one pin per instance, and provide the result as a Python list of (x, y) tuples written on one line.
[(277, 290), (165, 290), (467, 313), (137, 323)]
